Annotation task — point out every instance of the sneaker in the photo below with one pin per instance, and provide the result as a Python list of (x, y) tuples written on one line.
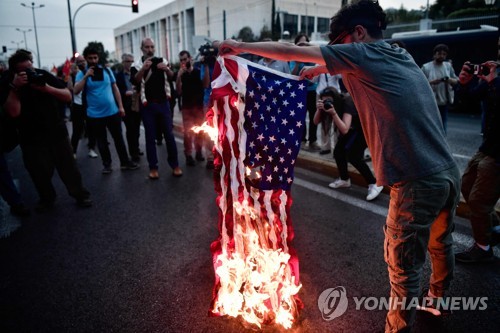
[(19, 210), (338, 183), (190, 160), (373, 191), (84, 203), (177, 172), (92, 153), (313, 146), (210, 165), (199, 157), (325, 152), (433, 305), (153, 174), (130, 166), (106, 170), (474, 254)]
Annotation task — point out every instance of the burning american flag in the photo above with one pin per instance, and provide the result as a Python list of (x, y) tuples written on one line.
[(257, 117)]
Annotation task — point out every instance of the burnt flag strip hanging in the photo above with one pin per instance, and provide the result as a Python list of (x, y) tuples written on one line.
[(258, 116)]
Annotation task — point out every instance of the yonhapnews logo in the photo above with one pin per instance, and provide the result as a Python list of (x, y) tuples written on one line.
[(333, 302)]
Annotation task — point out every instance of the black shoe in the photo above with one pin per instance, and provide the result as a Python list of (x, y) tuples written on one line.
[(158, 142), (437, 306), (84, 203), (210, 165), (199, 157), (107, 170), (19, 210), (325, 151), (190, 160), (44, 206), (130, 166), (475, 254), (136, 159), (141, 153)]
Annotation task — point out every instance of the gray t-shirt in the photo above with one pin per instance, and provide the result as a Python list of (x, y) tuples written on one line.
[(396, 107)]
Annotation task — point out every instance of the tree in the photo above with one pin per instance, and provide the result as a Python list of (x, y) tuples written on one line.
[(265, 33), (246, 35), (443, 8)]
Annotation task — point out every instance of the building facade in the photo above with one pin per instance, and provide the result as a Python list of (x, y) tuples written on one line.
[(187, 24)]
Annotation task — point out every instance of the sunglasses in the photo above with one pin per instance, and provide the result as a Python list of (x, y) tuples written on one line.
[(339, 38)]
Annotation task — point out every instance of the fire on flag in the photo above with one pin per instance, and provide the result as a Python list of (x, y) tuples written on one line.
[(257, 117)]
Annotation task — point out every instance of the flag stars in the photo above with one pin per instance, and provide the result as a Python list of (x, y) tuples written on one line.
[(276, 169), (285, 170), (299, 124), (282, 92), (260, 137), (256, 105), (270, 90), (270, 159), (269, 178), (292, 94), (288, 85), (284, 122), (258, 157), (251, 93), (291, 131), (272, 138), (273, 119), (285, 103), (283, 141), (300, 105), (301, 86)]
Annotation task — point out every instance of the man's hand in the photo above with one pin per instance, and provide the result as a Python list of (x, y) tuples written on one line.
[(229, 47), (164, 67), (492, 65), (121, 111), (147, 64), (90, 72), (309, 72)]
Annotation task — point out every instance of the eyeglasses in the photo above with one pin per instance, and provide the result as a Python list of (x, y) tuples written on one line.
[(128, 61), (184, 59)]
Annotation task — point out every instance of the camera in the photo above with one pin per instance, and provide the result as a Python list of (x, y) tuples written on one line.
[(327, 105), (98, 74), (208, 50), (35, 78), (155, 61), (476, 69)]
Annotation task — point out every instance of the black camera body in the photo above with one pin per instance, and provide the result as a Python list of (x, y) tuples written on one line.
[(327, 105), (207, 50), (98, 74), (476, 69), (35, 78), (155, 61)]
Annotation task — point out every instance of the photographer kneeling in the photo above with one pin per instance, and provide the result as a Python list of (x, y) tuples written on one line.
[(351, 141), (32, 97)]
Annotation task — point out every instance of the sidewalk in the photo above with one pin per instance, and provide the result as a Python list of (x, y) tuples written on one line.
[(325, 165)]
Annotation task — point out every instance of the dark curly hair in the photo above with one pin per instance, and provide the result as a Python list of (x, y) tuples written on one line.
[(367, 13), (90, 50), (18, 57)]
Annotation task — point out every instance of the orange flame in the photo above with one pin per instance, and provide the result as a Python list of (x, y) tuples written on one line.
[(212, 132), (256, 280)]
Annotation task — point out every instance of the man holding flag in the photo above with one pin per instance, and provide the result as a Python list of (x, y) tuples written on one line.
[(401, 123)]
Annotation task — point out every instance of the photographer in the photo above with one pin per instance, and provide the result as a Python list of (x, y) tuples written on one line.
[(481, 178), (442, 78), (31, 96), (190, 87), (351, 142), (150, 75)]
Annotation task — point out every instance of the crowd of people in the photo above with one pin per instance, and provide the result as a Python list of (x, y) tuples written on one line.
[(406, 112)]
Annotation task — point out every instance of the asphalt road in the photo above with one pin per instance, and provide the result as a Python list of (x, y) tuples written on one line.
[(139, 259)]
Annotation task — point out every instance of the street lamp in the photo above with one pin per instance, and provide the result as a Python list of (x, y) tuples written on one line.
[(24, 33), (33, 7), (17, 43)]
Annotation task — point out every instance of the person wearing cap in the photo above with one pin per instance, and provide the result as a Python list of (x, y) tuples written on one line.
[(404, 133)]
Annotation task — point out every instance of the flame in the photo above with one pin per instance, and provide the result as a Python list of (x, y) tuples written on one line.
[(212, 132), (256, 282)]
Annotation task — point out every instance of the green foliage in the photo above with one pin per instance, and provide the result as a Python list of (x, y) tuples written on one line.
[(444, 8), (265, 33), (246, 35), (468, 12)]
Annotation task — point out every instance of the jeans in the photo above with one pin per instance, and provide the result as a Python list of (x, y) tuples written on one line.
[(8, 189), (443, 111), (114, 125), (78, 119), (132, 122), (350, 148), (40, 159), (193, 116), (481, 190), (420, 219), (151, 114)]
